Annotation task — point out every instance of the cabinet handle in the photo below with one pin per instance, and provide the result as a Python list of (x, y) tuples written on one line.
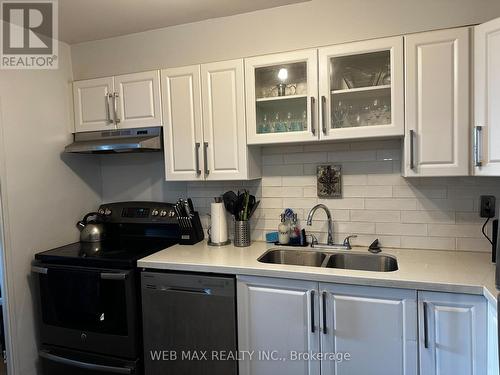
[(115, 106), (412, 149), (323, 114), (323, 300), (426, 338), (108, 113), (477, 145), (313, 328), (205, 157), (197, 151), (313, 128), (113, 276)]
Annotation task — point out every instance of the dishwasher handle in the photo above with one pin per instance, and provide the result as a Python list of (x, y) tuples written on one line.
[(206, 291)]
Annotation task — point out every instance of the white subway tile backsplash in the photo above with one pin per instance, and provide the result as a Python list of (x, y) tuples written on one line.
[(299, 202), (389, 155), (473, 244), (354, 228), (428, 217), (376, 216), (357, 156), (367, 167), (391, 204), (401, 229), (282, 170), (456, 230), (299, 180), (445, 204), (305, 157), (420, 192), (272, 159), (271, 180), (431, 243), (328, 147), (344, 203), (421, 213), (367, 191), (356, 180)]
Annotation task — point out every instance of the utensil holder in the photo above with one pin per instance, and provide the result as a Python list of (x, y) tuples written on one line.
[(241, 233)]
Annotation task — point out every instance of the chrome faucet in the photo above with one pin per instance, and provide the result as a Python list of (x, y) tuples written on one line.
[(330, 244), (328, 216)]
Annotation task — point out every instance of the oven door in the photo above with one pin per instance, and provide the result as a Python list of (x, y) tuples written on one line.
[(88, 309)]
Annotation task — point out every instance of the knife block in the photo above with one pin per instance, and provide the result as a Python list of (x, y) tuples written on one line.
[(191, 230)]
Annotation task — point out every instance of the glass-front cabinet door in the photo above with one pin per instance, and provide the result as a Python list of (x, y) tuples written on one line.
[(281, 97), (361, 89)]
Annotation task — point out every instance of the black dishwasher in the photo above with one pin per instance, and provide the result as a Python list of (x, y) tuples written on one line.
[(189, 324)]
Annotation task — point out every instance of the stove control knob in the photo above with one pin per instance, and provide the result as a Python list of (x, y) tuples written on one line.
[(163, 213), (101, 211), (107, 212), (155, 212)]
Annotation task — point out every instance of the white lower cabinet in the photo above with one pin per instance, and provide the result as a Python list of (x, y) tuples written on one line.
[(377, 327), (452, 334), (493, 368), (277, 317), (371, 330)]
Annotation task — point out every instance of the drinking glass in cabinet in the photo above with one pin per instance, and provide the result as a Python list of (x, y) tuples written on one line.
[(361, 90), (363, 70), (280, 116)]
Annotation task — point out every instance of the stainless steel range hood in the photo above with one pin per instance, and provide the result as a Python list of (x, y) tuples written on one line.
[(117, 141)]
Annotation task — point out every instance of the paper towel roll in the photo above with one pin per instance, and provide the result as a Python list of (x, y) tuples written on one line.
[(218, 232)]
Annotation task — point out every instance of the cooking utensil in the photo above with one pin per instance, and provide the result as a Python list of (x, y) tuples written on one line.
[(253, 208), (230, 199)]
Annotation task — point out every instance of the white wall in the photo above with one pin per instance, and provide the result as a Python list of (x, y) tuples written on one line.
[(43, 192), (310, 24)]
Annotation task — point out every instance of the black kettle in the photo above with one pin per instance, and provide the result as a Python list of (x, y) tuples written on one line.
[(91, 230)]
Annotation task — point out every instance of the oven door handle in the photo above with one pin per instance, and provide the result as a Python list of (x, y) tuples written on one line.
[(84, 365), (41, 270), (113, 276)]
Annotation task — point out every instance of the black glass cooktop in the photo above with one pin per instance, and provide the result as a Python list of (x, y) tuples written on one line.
[(119, 253)]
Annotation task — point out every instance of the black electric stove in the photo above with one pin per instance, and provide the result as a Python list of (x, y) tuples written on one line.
[(89, 296), (117, 253), (134, 230)]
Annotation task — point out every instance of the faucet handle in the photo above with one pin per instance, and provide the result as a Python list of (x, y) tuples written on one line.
[(314, 240), (347, 241)]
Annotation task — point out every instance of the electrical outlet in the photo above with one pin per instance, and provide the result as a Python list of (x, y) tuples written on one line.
[(487, 206)]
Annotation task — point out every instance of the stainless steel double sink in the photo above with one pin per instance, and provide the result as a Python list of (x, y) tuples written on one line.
[(345, 260)]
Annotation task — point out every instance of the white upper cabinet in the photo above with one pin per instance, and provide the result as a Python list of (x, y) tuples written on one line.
[(437, 103), (277, 316), (452, 334), (92, 104), (224, 130), (376, 326), (138, 101), (281, 97), (126, 101), (486, 147), (205, 129), (182, 133), (361, 89)]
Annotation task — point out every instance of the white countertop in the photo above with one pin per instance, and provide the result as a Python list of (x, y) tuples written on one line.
[(445, 271)]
